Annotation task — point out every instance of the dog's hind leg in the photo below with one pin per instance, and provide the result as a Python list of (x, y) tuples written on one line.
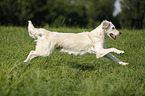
[(40, 51), (34, 54), (31, 55)]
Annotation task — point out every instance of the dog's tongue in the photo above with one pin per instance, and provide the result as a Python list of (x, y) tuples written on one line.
[(113, 36)]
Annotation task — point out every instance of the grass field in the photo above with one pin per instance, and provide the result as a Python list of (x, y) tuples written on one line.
[(62, 74)]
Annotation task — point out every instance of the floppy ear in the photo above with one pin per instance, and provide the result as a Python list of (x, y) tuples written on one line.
[(105, 24)]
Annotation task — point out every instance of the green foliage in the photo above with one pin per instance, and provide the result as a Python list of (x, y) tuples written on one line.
[(41, 12), (133, 13), (80, 13), (62, 74), (8, 11), (100, 10)]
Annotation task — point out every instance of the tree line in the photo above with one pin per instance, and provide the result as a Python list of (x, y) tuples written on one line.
[(81, 13)]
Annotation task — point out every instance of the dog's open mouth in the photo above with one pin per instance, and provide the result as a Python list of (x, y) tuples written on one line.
[(112, 36)]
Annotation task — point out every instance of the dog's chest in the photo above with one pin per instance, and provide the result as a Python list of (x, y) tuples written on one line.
[(77, 48)]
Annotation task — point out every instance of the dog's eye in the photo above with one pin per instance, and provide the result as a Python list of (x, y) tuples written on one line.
[(113, 28)]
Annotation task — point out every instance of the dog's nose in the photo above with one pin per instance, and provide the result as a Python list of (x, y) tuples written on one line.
[(119, 33)]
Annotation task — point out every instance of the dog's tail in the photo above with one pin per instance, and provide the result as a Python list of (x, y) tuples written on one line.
[(31, 30), (35, 32)]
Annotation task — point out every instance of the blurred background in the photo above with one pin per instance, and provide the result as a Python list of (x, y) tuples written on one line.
[(73, 13)]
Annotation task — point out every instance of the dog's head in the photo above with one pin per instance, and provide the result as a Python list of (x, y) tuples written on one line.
[(110, 29)]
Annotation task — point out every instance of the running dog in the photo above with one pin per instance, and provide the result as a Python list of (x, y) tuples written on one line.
[(75, 43)]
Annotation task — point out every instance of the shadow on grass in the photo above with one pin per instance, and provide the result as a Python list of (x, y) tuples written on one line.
[(82, 67), (75, 65)]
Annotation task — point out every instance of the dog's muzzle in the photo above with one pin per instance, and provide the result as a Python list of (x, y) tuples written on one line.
[(112, 36)]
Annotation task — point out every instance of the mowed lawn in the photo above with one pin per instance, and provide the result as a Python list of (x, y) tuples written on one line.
[(62, 74)]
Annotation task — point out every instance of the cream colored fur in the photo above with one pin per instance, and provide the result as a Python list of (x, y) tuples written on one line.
[(75, 43)]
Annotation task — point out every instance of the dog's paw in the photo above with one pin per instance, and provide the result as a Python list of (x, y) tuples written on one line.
[(123, 63), (26, 61), (120, 52)]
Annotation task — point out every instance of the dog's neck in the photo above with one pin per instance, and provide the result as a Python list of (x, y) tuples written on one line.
[(99, 32)]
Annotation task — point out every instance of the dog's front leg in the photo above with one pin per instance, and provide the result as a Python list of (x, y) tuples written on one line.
[(102, 52), (112, 57)]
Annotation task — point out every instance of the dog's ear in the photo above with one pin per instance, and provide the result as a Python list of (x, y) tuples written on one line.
[(105, 24)]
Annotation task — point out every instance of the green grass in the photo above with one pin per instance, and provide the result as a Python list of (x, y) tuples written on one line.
[(62, 74)]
